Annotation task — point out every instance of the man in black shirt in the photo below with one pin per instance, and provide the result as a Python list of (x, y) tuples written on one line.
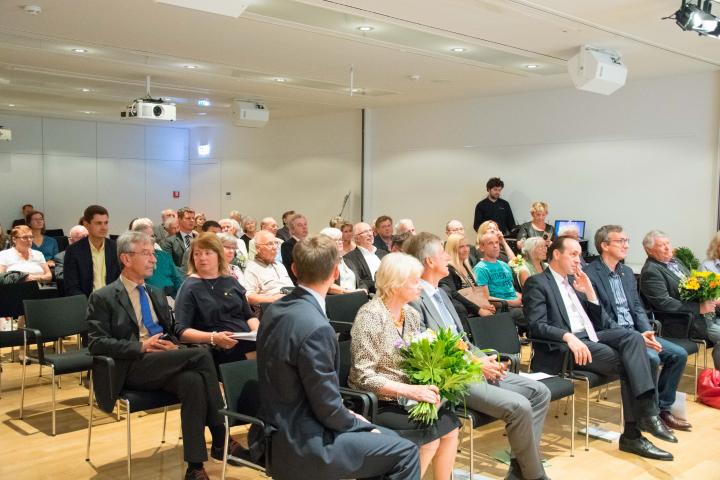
[(494, 208)]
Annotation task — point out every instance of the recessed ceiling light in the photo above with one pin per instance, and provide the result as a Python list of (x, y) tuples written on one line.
[(531, 66), (202, 113), (85, 90), (79, 50), (33, 9), (88, 112), (191, 67), (203, 102), (356, 90), (11, 104), (280, 79), (414, 77), (457, 49), (366, 28)]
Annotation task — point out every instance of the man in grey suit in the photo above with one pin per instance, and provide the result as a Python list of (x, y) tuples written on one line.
[(161, 230), (78, 232), (521, 403), (561, 306), (132, 323), (177, 244), (314, 434), (659, 281)]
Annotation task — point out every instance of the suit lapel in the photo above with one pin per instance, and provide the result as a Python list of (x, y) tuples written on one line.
[(124, 301), (433, 314), (560, 304), (451, 308), (605, 285)]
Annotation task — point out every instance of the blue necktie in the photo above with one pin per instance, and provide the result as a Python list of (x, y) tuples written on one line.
[(147, 320), (444, 312)]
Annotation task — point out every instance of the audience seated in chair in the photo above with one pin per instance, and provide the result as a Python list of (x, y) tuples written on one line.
[(616, 289), (352, 277), (521, 403), (168, 218), (25, 209), (561, 306), (383, 233), (366, 255), (405, 225), (659, 281), (534, 252), (456, 226), (265, 277), (131, 322), (177, 244), (314, 434), (166, 275), (269, 224), (712, 263), (284, 232), (76, 233), (506, 251), (537, 226), (21, 258), (46, 245), (298, 226)]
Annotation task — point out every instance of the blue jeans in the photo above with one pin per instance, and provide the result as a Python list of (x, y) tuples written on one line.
[(673, 358)]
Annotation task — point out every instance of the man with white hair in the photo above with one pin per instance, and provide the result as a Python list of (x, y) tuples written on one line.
[(76, 233), (231, 226), (352, 276), (265, 277), (269, 224), (659, 282), (405, 225), (366, 255), (160, 230)]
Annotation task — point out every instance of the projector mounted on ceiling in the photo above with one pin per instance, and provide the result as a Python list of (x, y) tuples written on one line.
[(150, 108), (597, 70), (250, 114), (5, 134)]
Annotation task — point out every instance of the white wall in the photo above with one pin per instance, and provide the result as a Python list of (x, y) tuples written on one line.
[(645, 157), (304, 164), (62, 166)]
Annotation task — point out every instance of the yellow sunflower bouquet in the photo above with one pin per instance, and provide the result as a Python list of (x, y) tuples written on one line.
[(700, 287)]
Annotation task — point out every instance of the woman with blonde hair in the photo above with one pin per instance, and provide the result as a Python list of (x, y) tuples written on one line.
[(380, 324), (506, 252), (534, 253), (537, 226), (22, 258), (467, 297), (712, 264), (211, 304)]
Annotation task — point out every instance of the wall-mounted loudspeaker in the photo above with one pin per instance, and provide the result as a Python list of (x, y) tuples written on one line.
[(597, 70)]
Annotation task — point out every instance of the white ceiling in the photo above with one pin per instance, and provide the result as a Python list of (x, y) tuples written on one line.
[(312, 44)]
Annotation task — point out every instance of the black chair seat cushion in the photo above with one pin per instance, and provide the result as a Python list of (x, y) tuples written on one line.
[(148, 400), (559, 387), (596, 379), (70, 362)]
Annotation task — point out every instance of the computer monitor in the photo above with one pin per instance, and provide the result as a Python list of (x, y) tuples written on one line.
[(562, 225)]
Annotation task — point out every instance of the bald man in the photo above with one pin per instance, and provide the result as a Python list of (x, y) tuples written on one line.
[(76, 233), (269, 224), (265, 277)]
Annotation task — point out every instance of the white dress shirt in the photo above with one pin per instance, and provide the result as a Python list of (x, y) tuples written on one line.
[(372, 260)]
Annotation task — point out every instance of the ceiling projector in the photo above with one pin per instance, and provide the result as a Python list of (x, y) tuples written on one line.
[(150, 108), (5, 134)]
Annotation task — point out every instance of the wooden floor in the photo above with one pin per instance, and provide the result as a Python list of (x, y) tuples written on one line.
[(28, 451)]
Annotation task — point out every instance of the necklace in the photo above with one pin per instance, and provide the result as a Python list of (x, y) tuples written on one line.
[(398, 322), (211, 284)]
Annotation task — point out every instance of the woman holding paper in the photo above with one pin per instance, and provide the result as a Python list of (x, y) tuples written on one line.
[(211, 304)]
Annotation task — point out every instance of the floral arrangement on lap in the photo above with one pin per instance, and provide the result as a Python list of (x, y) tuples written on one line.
[(442, 359)]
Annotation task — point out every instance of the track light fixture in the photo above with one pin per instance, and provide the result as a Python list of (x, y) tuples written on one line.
[(697, 17)]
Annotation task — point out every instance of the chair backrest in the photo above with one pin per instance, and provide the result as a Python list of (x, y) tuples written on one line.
[(343, 308), (62, 242), (345, 359), (242, 389), (54, 232), (57, 317), (495, 331), (12, 297)]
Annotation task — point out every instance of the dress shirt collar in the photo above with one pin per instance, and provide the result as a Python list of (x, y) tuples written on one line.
[(129, 284), (319, 298), (606, 268), (428, 288), (368, 251)]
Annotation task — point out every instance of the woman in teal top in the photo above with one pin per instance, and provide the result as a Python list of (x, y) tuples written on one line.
[(48, 246)]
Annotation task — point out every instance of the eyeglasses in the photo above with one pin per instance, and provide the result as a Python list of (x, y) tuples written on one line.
[(364, 232), (269, 244), (145, 254), (621, 241)]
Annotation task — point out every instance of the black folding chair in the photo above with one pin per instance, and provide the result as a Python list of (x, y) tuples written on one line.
[(344, 307), (103, 371)]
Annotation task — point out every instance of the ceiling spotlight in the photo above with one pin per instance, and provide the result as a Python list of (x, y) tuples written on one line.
[(280, 79), (85, 90), (457, 49), (203, 102), (88, 112), (366, 28), (79, 50), (697, 18), (191, 67), (11, 104), (531, 66), (33, 9), (356, 90)]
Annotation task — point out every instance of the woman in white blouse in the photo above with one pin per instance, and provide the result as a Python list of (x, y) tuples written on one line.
[(22, 258)]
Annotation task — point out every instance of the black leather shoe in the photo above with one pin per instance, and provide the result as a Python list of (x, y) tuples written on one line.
[(642, 446), (235, 452), (654, 426), (514, 473)]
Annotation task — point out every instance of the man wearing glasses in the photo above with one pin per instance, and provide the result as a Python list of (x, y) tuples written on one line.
[(266, 277), (616, 289)]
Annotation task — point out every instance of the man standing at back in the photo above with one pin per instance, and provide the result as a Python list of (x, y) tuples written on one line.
[(494, 208), (91, 262), (315, 435)]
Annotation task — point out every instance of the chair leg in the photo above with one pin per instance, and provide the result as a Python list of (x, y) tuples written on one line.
[(165, 410), (22, 387), (87, 449), (129, 448), (225, 447), (572, 425), (52, 371), (696, 375), (587, 415), (472, 448)]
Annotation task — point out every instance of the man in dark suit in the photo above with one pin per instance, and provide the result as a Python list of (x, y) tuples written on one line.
[(284, 232), (131, 322), (92, 262), (366, 256), (314, 434), (519, 402), (383, 233), (659, 280), (616, 289), (177, 244), (298, 226), (560, 304), (76, 233), (27, 209)]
